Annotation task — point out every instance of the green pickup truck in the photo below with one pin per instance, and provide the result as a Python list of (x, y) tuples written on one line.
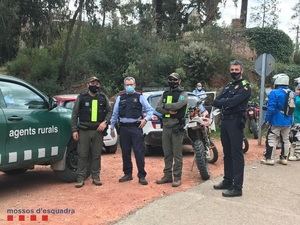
[(34, 131)]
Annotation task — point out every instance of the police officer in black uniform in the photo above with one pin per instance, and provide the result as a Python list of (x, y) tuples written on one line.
[(128, 113), (89, 122), (233, 103)]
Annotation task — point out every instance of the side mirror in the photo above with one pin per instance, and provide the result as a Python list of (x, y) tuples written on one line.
[(52, 103)]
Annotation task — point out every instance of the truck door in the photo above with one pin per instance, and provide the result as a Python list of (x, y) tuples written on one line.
[(32, 133)]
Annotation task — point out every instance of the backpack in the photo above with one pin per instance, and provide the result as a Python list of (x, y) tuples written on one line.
[(289, 106)]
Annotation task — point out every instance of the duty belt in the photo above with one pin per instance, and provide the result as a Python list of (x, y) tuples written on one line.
[(135, 124), (231, 116)]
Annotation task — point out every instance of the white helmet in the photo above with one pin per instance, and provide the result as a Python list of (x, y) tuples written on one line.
[(281, 79), (297, 81)]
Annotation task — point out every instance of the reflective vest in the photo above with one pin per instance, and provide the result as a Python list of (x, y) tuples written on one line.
[(173, 97), (130, 106), (92, 109)]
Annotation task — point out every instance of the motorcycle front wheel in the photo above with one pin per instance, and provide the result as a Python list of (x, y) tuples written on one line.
[(212, 153), (200, 157), (245, 145), (253, 128)]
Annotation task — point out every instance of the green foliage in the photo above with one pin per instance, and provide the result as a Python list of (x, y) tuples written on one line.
[(10, 29), (38, 67), (292, 70), (206, 55), (112, 53), (269, 40)]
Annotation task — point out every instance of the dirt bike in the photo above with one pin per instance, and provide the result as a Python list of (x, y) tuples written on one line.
[(198, 132), (252, 113)]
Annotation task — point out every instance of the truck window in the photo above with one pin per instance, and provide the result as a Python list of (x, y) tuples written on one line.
[(20, 97)]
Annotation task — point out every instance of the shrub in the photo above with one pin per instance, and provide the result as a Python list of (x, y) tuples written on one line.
[(273, 41), (37, 67)]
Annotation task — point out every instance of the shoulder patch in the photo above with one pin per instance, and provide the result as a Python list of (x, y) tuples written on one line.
[(245, 83), (181, 98)]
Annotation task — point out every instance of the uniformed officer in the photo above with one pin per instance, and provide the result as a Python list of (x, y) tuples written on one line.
[(233, 103), (172, 105), (128, 111), (89, 122)]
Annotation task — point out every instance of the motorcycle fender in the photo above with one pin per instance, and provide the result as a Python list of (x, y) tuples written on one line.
[(61, 164)]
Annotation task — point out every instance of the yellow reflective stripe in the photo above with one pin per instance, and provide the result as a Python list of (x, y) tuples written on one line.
[(94, 113), (169, 100)]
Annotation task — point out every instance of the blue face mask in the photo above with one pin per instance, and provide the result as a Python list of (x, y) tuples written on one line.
[(129, 89)]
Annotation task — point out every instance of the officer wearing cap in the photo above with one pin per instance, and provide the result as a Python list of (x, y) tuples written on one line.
[(128, 112), (233, 102), (172, 105), (89, 122)]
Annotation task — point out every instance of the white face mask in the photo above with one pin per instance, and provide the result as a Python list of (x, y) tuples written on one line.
[(199, 88)]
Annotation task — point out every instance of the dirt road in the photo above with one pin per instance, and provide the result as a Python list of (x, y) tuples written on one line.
[(38, 192)]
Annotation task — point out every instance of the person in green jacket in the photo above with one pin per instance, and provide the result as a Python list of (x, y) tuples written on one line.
[(295, 146)]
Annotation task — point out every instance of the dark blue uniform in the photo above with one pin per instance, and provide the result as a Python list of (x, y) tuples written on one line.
[(233, 103), (128, 111)]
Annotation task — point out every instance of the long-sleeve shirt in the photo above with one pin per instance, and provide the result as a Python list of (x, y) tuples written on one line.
[(115, 115), (200, 94), (75, 113), (167, 107), (297, 110), (276, 103), (234, 98)]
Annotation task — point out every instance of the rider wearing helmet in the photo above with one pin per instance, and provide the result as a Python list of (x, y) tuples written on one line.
[(279, 122)]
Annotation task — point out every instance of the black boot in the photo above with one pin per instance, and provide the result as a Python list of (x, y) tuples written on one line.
[(232, 192), (125, 178), (223, 185)]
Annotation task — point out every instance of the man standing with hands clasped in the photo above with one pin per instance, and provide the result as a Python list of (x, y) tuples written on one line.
[(128, 112), (173, 105), (89, 121), (233, 102)]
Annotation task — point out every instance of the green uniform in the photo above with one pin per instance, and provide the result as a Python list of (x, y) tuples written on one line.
[(173, 132), (88, 112)]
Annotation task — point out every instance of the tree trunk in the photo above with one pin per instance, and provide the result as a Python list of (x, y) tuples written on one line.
[(104, 17), (77, 32), (158, 15), (264, 14), (62, 67), (244, 10)]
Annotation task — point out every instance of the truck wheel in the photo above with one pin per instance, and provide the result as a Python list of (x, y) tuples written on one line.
[(147, 149), (112, 149), (69, 174), (15, 171)]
